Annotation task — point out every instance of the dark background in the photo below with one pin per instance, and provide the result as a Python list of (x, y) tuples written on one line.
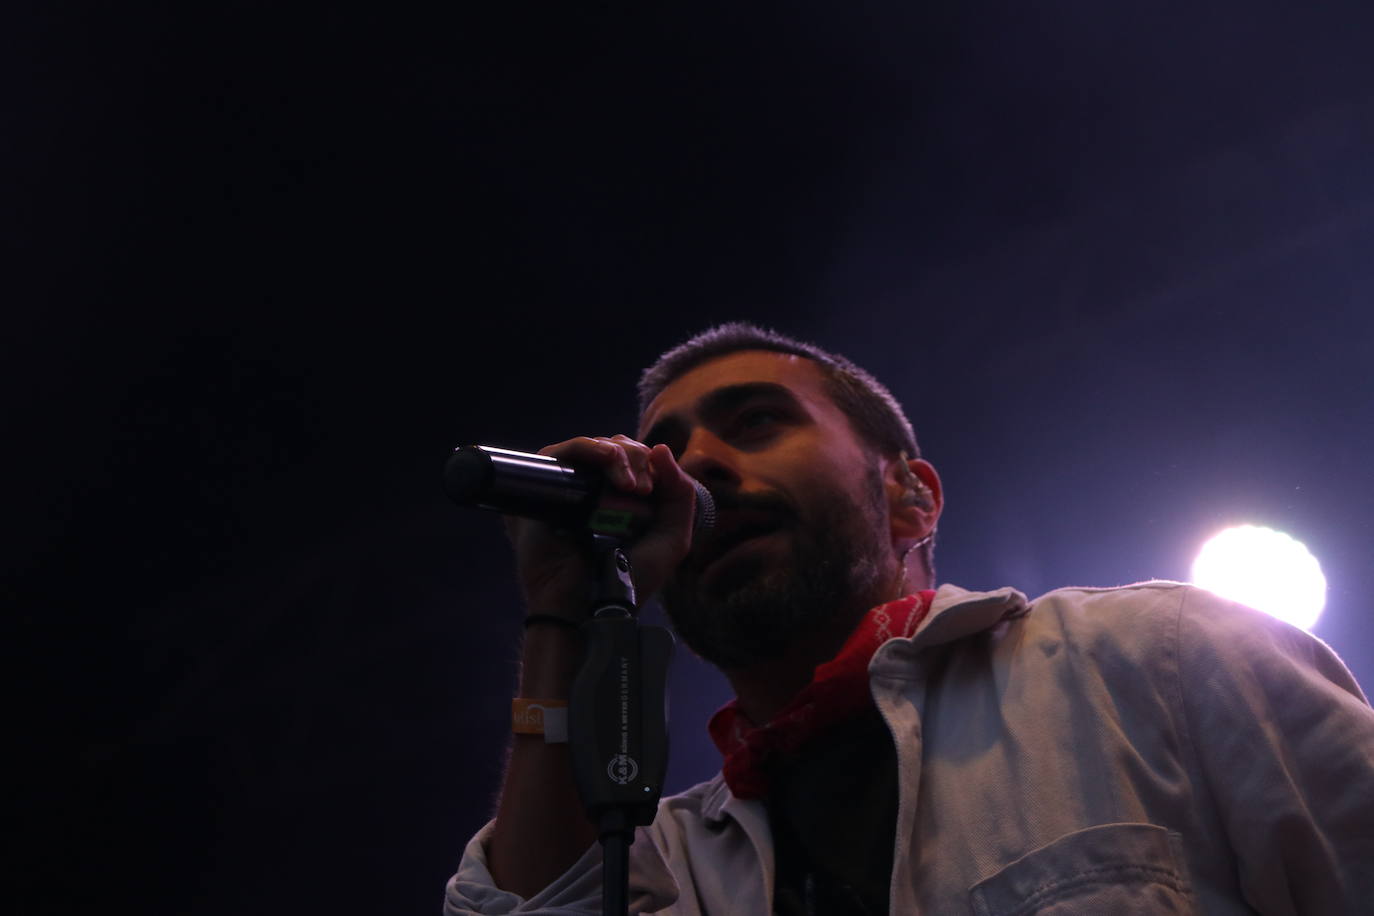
[(270, 263)]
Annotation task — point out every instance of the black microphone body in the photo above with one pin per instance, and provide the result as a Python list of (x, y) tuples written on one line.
[(543, 488)]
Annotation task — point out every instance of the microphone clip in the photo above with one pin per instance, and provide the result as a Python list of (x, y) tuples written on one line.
[(617, 727)]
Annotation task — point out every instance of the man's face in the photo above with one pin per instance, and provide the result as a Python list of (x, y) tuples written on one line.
[(802, 540)]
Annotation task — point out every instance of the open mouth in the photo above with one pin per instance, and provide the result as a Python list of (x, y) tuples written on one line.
[(735, 528)]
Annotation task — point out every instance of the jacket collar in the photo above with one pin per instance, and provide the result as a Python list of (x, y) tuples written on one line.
[(954, 614)]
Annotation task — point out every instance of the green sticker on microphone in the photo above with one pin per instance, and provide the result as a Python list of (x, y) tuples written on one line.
[(613, 522)]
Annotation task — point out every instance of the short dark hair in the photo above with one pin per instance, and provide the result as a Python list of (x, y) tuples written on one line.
[(873, 412)]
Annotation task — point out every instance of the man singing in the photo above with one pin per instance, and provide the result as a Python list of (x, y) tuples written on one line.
[(898, 749)]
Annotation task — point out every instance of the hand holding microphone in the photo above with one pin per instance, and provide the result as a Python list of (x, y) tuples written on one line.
[(609, 672), (613, 481)]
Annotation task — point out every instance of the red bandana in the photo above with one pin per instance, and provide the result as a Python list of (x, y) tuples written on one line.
[(838, 689)]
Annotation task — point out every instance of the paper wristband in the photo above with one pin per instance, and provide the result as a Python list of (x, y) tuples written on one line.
[(540, 717)]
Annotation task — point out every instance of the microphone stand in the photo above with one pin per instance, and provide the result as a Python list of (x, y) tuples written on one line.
[(617, 729)]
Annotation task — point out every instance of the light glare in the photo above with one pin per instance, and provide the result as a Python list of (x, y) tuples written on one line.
[(1265, 569)]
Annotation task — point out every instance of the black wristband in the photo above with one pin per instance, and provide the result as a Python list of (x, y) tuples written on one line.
[(532, 619)]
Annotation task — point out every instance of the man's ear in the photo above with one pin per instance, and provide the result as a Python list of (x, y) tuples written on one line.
[(914, 497)]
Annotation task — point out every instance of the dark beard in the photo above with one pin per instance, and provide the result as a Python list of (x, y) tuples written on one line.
[(835, 573)]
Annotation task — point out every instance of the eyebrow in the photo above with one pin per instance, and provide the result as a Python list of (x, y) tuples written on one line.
[(717, 403)]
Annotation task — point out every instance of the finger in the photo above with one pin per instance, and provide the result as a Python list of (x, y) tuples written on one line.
[(664, 546), (599, 453), (677, 491), (637, 453)]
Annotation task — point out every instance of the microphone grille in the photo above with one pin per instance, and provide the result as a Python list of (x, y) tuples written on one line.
[(706, 511)]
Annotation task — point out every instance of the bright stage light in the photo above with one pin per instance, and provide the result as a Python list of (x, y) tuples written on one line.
[(1266, 569)]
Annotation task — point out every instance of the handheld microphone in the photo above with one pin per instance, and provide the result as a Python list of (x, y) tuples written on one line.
[(543, 488)]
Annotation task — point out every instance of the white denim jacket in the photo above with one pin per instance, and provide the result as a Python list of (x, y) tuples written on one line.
[(1147, 749)]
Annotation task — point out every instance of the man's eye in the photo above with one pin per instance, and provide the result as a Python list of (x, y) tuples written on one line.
[(758, 418)]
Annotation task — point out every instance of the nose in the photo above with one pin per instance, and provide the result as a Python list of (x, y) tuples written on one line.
[(710, 460)]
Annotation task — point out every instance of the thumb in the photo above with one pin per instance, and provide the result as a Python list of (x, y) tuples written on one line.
[(662, 548)]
